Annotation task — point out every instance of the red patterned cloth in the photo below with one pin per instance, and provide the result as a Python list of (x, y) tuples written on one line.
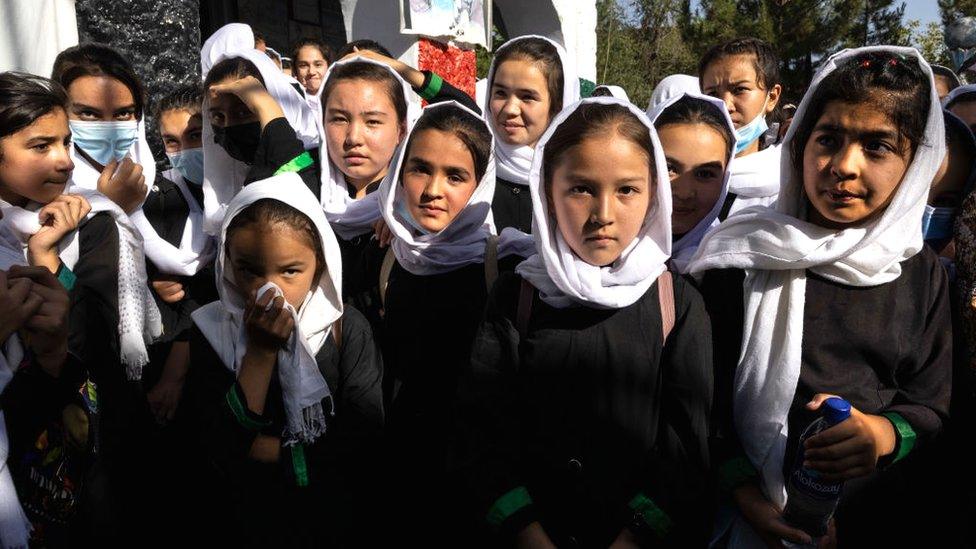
[(451, 63)]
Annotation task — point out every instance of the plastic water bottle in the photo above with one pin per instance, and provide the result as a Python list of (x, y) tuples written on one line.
[(811, 501)]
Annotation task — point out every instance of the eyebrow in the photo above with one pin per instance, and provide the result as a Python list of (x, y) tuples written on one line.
[(713, 164), (78, 106), (525, 90), (577, 178), (37, 139), (867, 134)]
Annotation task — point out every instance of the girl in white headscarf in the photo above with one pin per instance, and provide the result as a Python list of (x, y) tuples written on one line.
[(698, 137), (285, 383), (833, 292), (671, 87), (529, 82), (585, 408)]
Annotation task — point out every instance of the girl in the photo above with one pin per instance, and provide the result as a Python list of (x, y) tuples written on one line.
[(962, 103), (607, 90), (34, 329), (529, 82), (585, 408), (285, 384), (435, 280), (697, 137), (838, 296), (745, 74), (311, 59)]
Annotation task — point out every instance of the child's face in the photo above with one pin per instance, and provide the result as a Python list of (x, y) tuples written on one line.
[(310, 66), (852, 164), (696, 155), (260, 253), (35, 162), (100, 99), (438, 178), (226, 109), (362, 129), (600, 193), (519, 102), (966, 110), (949, 181), (181, 130), (942, 86), (733, 79)]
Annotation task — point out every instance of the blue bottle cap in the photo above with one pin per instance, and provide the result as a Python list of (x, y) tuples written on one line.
[(835, 410)]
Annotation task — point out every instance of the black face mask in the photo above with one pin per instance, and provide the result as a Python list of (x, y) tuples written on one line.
[(240, 141)]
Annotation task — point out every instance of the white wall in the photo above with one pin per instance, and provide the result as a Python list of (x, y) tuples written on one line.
[(33, 32)]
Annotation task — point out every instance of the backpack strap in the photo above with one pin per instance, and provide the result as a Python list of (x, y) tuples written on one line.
[(727, 206), (388, 261), (665, 295), (524, 311), (491, 261), (337, 333)]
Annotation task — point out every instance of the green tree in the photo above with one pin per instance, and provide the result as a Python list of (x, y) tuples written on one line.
[(930, 42), (878, 22)]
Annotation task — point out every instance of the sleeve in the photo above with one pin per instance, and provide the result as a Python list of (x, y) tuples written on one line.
[(94, 297), (486, 455), (668, 508), (344, 455), (437, 90), (223, 425), (280, 151), (925, 384)]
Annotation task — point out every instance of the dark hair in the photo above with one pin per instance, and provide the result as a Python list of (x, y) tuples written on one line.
[(259, 37), (24, 98), (371, 72), (364, 44), (321, 46), (269, 211), (689, 110), (185, 98), (764, 57), (545, 56), (946, 72), (965, 97), (94, 59), (470, 129), (235, 67), (594, 120), (890, 83)]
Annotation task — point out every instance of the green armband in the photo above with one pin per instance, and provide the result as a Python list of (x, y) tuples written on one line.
[(735, 472), (235, 402), (66, 277), (508, 505), (296, 164), (654, 517), (905, 435), (298, 465), (433, 87)]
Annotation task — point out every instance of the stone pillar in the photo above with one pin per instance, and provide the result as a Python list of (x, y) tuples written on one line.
[(161, 39)]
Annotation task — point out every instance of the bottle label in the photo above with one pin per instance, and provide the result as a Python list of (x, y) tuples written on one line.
[(809, 483)]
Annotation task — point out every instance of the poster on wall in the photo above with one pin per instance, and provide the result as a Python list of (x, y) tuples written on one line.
[(467, 21)]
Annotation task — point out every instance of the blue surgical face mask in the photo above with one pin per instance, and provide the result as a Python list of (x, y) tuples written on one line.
[(104, 141), (401, 210), (937, 222), (189, 162), (752, 131)]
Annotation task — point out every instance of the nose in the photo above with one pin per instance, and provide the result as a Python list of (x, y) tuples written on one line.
[(681, 191), (354, 134), (435, 187), (728, 98), (62, 161), (602, 212), (846, 162), (511, 106)]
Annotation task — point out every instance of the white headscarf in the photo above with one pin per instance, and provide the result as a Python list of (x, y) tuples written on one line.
[(955, 93), (777, 246), (302, 385), (515, 161), (139, 320), (463, 241), (15, 528), (685, 247), (673, 86), (615, 91), (224, 176), (350, 217), (562, 278)]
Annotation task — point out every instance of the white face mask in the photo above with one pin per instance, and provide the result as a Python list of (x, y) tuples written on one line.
[(748, 134)]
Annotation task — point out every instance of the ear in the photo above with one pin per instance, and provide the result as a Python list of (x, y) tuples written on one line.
[(774, 95), (401, 133)]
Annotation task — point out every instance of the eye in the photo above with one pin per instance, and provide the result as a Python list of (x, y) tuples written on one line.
[(706, 174), (196, 135), (456, 179), (125, 115), (826, 140), (628, 190), (879, 148), (498, 93), (526, 97), (217, 118), (417, 168), (41, 147), (740, 89), (87, 113), (580, 189), (374, 123), (291, 272), (337, 119), (671, 169)]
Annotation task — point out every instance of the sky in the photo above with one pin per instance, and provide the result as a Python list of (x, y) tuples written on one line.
[(923, 10)]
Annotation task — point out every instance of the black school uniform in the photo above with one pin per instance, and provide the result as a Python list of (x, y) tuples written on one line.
[(512, 206), (588, 424), (316, 495), (885, 349)]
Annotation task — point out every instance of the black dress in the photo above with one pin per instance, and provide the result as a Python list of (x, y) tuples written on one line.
[(589, 424), (885, 349), (317, 495), (512, 206)]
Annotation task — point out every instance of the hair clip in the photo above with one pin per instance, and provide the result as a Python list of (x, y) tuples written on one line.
[(865, 63)]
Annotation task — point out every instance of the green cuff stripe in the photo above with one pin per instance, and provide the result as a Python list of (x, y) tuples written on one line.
[(658, 521), (66, 277), (296, 164), (433, 87), (298, 464), (736, 472), (508, 505), (237, 408), (906, 435)]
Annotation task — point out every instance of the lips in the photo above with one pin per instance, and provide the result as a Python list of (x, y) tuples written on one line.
[(842, 195), (355, 159), (432, 210)]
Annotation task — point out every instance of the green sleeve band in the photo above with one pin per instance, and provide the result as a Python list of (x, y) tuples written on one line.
[(508, 505), (736, 472), (656, 519), (298, 464), (905, 433), (586, 87), (66, 277), (236, 405), (296, 164), (433, 87)]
